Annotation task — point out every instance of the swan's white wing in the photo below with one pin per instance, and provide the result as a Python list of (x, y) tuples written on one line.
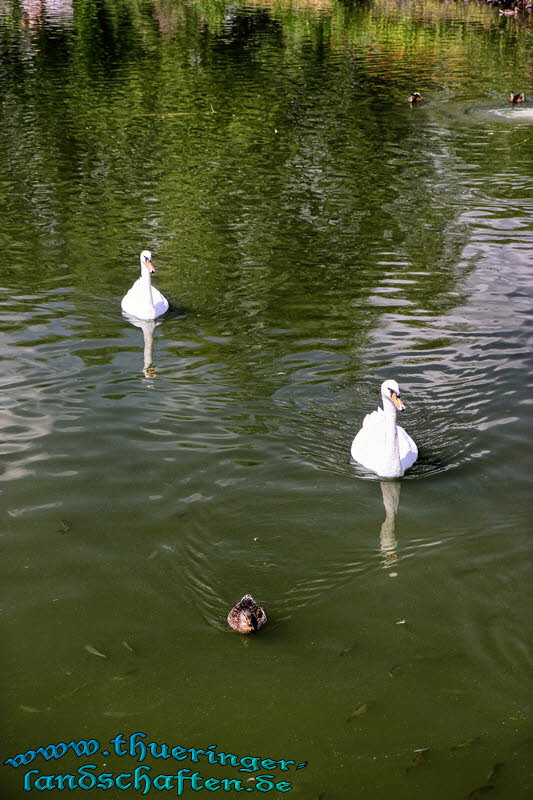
[(131, 302), (160, 302), (136, 303), (408, 449), (370, 441), (371, 449)]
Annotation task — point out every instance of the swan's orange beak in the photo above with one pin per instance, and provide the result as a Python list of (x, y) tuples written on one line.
[(150, 264), (398, 402)]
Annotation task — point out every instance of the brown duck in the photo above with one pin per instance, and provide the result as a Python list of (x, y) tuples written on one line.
[(416, 97), (247, 616), (517, 98)]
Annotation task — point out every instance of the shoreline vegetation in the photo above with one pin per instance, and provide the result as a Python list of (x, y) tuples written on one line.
[(97, 18), (168, 13)]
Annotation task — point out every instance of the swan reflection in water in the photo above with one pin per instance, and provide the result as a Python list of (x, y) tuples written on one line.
[(148, 326), (387, 535)]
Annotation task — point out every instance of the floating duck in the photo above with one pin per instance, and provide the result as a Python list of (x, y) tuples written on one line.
[(517, 98), (509, 12), (416, 97), (143, 300), (247, 616), (381, 445)]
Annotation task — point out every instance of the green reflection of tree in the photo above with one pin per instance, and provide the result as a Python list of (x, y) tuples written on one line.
[(266, 152)]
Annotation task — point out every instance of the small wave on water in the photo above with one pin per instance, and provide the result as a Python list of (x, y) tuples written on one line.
[(244, 564), (457, 112), (514, 114)]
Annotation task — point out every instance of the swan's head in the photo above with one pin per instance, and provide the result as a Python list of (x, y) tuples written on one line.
[(391, 391), (146, 261)]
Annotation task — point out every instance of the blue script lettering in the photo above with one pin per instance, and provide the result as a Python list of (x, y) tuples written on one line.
[(81, 748), (84, 776), (52, 750), (44, 782), (105, 780), (22, 758)]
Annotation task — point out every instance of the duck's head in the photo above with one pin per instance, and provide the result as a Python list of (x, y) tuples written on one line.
[(390, 391), (415, 97), (146, 261)]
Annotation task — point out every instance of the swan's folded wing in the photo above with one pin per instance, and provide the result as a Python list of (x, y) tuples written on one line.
[(370, 440), (160, 302), (375, 420), (408, 449), (129, 301)]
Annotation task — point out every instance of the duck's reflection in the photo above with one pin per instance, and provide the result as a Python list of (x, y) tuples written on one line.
[(387, 535), (148, 327)]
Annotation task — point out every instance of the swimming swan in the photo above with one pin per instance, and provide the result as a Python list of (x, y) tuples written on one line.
[(381, 445), (143, 300)]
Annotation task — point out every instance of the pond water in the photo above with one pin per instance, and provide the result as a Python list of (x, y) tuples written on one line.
[(315, 234)]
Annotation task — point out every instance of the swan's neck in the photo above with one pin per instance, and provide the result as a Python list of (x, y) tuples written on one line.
[(392, 446), (389, 409), (146, 283)]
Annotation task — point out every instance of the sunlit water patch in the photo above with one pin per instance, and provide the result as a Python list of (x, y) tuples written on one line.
[(515, 114)]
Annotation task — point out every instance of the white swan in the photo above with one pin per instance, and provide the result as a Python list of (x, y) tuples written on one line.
[(143, 300), (381, 445)]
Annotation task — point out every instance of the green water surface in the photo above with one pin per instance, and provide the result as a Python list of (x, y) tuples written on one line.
[(314, 234)]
